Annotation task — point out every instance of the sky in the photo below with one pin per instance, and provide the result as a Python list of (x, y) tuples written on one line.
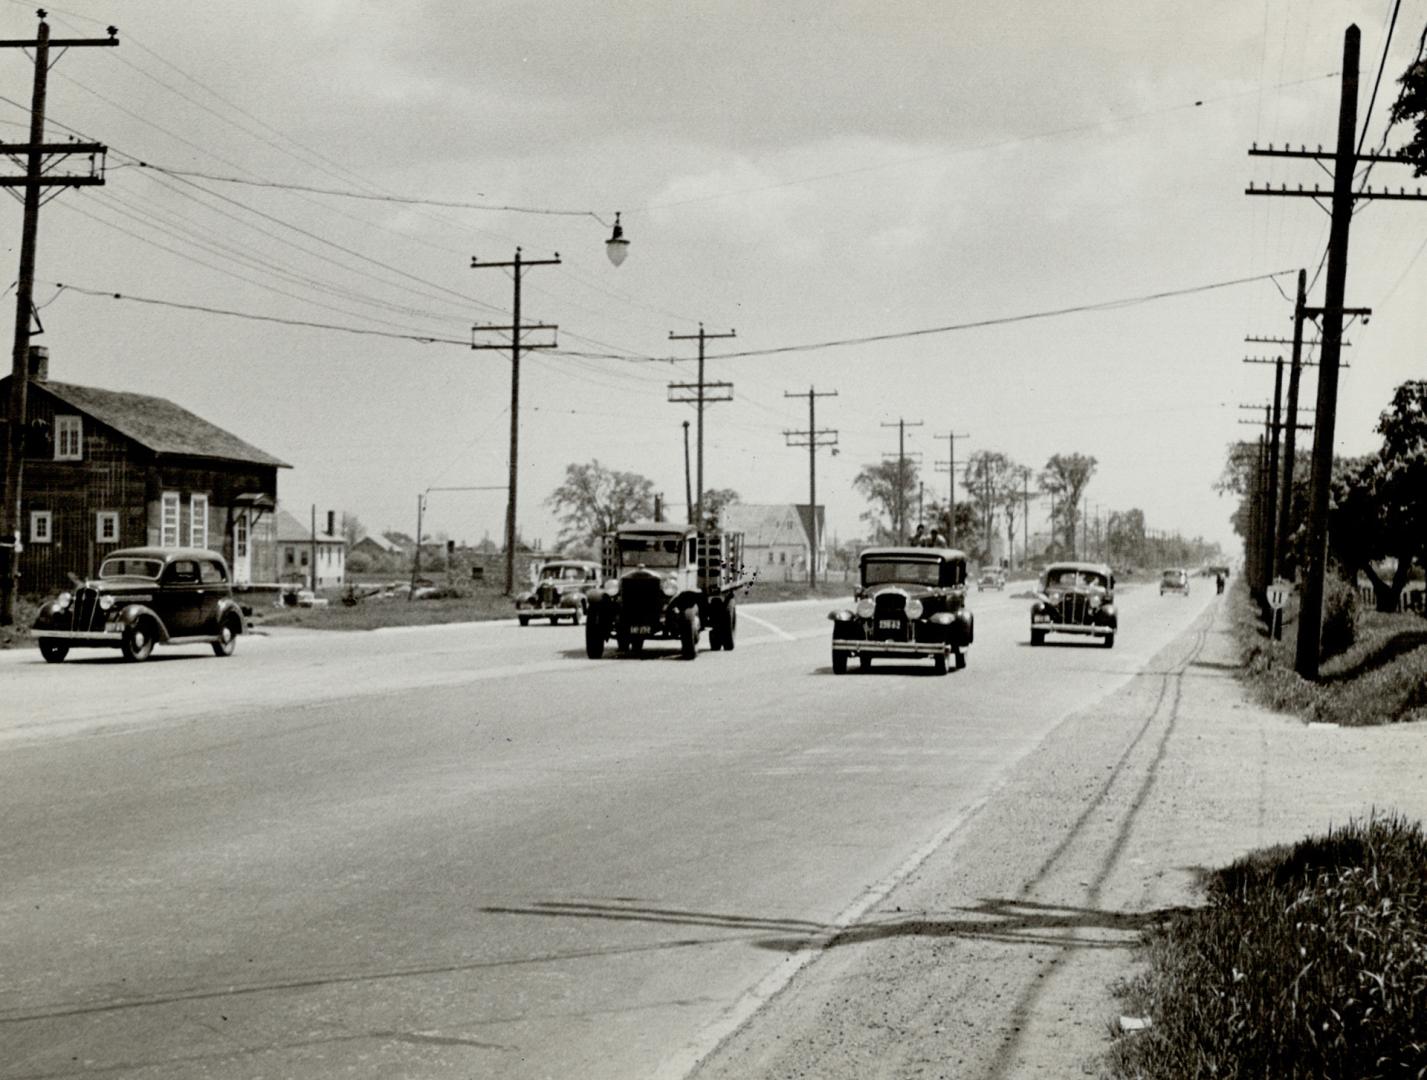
[(797, 173)]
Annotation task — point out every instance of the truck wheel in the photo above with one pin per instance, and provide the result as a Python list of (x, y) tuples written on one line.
[(594, 639), (1037, 637), (689, 635), (138, 641), (839, 662), (53, 651), (730, 624)]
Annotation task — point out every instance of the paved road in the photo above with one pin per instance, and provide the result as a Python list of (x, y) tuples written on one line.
[(469, 851)]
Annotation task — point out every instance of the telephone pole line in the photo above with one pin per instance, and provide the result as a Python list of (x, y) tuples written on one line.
[(39, 157), (517, 266), (950, 464), (812, 439), (1345, 160), (688, 481), (899, 527), (721, 391)]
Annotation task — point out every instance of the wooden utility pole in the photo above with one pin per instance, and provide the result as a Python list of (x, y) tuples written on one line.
[(1345, 162), (950, 464), (705, 393), (40, 158), (899, 526), (812, 439), (688, 481), (518, 266)]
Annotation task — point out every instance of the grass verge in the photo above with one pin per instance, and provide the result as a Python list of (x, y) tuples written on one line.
[(1380, 679), (1306, 962)]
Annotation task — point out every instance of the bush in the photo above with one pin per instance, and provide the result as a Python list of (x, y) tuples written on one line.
[(1307, 962), (1340, 617)]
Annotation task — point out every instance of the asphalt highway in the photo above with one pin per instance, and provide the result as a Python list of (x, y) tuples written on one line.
[(470, 851)]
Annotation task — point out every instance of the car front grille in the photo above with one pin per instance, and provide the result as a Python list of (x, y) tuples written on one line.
[(642, 596), (1075, 608), (84, 613), (548, 595), (891, 608)]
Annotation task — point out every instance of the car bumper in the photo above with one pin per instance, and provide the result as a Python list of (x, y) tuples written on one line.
[(1073, 628), (892, 648), (80, 637)]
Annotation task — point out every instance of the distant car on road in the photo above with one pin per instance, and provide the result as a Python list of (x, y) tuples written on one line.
[(993, 578), (911, 603), (1174, 580), (559, 591), (1076, 598), (142, 597)]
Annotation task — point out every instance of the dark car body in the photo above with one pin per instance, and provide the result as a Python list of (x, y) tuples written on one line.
[(911, 603), (1174, 580), (559, 591), (143, 597), (1075, 598), (991, 579)]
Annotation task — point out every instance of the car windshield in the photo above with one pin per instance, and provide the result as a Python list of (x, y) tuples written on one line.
[(127, 567), (649, 550), (1173, 577), (911, 572), (562, 573), (1075, 579)]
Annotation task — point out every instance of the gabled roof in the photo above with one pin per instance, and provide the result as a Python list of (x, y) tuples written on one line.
[(290, 531), (771, 524), (157, 423), (381, 543)]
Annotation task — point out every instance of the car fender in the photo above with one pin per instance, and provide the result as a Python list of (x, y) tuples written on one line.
[(966, 621), (228, 606), (130, 614)]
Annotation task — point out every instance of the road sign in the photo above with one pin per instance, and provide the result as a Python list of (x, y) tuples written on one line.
[(1278, 593)]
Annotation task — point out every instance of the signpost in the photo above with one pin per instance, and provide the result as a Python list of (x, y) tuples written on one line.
[(1277, 595)]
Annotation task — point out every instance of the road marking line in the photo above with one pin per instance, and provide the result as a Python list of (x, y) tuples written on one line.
[(768, 626)]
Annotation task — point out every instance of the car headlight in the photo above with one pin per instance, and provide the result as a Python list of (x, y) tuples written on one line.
[(1054, 598), (62, 601), (105, 603), (611, 587), (914, 608), (1094, 603), (865, 608)]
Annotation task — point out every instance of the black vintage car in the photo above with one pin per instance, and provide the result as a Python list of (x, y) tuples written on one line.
[(143, 597), (1076, 598), (559, 593), (911, 603)]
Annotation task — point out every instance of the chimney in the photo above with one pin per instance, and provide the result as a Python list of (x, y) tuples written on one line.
[(39, 363), (331, 523)]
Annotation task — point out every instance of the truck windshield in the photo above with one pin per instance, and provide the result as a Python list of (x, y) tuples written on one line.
[(659, 551), (883, 572)]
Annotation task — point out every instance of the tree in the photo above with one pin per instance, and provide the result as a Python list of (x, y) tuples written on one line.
[(1125, 537), (594, 499), (968, 526), (1411, 106), (1065, 476), (352, 529), (1013, 498), (715, 502), (1380, 502), (880, 485), (989, 478)]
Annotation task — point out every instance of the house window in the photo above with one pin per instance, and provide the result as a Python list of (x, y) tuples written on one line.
[(41, 524), (198, 521), (304, 556), (168, 520), (69, 438), (240, 535), (291, 556), (106, 527)]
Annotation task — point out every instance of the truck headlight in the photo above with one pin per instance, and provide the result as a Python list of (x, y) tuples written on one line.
[(611, 587), (668, 586)]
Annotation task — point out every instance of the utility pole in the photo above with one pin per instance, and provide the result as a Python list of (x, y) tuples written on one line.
[(705, 393), (1025, 518), (518, 266), (899, 526), (40, 158), (688, 481), (812, 439), (950, 464), (1345, 162)]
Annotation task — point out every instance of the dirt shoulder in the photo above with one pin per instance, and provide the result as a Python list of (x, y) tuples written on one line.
[(998, 956)]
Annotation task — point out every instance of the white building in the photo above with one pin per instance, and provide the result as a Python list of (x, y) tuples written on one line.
[(296, 545)]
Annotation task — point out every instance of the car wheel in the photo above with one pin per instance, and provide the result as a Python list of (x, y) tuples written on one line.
[(138, 641), (839, 662), (524, 620), (594, 639), (575, 617), (1037, 637), (227, 637), (554, 620), (864, 662), (1109, 641), (960, 659), (689, 635), (939, 663), (54, 651)]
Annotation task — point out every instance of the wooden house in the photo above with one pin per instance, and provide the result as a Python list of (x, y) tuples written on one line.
[(298, 545), (106, 469)]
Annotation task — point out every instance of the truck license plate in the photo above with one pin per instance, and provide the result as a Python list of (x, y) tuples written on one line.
[(889, 624), (643, 631)]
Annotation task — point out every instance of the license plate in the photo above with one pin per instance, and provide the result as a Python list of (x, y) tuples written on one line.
[(889, 624), (643, 631)]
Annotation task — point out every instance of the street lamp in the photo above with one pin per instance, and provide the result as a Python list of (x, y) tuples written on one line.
[(616, 247)]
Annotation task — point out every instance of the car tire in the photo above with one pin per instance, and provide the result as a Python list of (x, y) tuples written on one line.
[(575, 617), (864, 662), (524, 620), (594, 639), (939, 663), (839, 662), (960, 659), (138, 641), (1037, 637), (53, 651), (554, 620), (689, 635), (1110, 640), (228, 631)]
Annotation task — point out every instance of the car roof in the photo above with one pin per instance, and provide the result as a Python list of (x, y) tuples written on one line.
[(165, 554), (1095, 567), (913, 553), (586, 563), (657, 528)]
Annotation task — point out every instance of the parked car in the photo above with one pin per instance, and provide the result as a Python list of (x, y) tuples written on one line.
[(1174, 580), (993, 578), (911, 602), (1075, 598), (142, 597), (559, 591)]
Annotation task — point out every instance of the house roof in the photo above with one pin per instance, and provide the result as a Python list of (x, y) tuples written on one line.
[(381, 543), (290, 531), (771, 524), (157, 423)]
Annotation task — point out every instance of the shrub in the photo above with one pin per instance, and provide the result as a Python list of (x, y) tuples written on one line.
[(1340, 617)]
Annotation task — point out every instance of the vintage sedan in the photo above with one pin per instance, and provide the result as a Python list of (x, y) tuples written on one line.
[(991, 578), (559, 591), (143, 597), (1175, 580), (911, 603), (1075, 598)]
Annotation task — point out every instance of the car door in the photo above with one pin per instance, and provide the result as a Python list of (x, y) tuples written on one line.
[(180, 598)]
